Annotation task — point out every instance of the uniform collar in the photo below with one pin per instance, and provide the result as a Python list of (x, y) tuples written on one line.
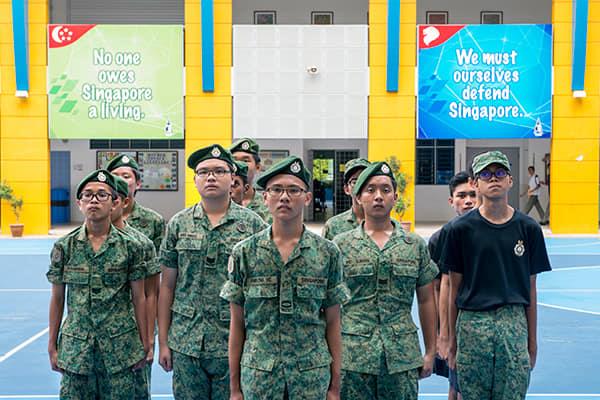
[(199, 212), (135, 211), (398, 233)]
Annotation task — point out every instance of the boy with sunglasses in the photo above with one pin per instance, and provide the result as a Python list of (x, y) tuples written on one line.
[(285, 288), (193, 322), (493, 255)]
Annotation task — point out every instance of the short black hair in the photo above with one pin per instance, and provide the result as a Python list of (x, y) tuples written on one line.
[(531, 167), (458, 179)]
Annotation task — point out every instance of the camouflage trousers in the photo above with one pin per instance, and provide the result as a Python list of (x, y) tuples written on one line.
[(101, 384), (385, 386), (200, 379), (142, 382), (285, 383), (492, 354)]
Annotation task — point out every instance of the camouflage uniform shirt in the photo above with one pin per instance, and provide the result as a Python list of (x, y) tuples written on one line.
[(200, 319), (340, 223), (377, 321), (258, 206), (150, 258), (149, 222), (99, 306), (283, 302)]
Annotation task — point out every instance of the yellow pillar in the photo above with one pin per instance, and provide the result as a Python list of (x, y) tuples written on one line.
[(208, 116), (392, 115), (24, 145), (576, 128)]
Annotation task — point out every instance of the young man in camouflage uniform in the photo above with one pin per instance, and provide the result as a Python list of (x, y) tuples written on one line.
[(152, 269), (247, 150), (103, 339), (240, 186), (193, 321), (151, 224), (351, 218), (463, 198), (493, 254), (285, 287), (384, 266)]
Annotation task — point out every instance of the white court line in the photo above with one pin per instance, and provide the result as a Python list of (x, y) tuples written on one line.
[(24, 290), (23, 345), (569, 309), (566, 246), (569, 290), (576, 268)]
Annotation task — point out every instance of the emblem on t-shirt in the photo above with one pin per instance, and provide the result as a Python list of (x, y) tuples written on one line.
[(519, 248)]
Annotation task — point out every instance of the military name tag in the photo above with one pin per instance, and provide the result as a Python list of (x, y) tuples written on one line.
[(308, 280), (190, 235), (262, 280)]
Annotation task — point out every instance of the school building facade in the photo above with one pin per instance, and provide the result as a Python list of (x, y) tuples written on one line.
[(309, 78)]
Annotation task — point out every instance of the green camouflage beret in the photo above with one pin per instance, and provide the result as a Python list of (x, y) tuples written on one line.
[(99, 175), (241, 169), (375, 169), (352, 166), (291, 165), (122, 186), (215, 151), (122, 160), (488, 158), (246, 145)]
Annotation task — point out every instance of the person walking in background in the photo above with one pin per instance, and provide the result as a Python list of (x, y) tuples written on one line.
[(533, 191)]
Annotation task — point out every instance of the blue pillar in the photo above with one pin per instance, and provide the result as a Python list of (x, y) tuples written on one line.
[(393, 45), (21, 46), (208, 46), (580, 24)]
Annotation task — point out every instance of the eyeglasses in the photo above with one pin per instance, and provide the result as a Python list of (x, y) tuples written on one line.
[(292, 191), (101, 196), (217, 172), (486, 174)]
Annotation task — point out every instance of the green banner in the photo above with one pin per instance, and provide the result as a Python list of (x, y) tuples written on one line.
[(115, 81)]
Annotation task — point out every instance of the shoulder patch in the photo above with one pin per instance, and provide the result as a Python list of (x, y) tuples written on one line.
[(57, 254)]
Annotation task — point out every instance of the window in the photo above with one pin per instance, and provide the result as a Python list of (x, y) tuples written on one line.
[(265, 17), (435, 161), (321, 17), (491, 17), (436, 17), (126, 144)]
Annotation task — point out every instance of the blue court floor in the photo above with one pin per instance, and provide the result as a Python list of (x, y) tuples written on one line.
[(568, 333)]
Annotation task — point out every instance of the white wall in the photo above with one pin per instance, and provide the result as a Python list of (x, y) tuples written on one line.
[(83, 161), (275, 97)]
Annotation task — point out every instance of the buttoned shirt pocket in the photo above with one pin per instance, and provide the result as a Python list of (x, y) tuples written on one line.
[(402, 348), (76, 274), (311, 291), (254, 360), (114, 275), (125, 345), (404, 279), (189, 251), (317, 359), (360, 278), (74, 349)]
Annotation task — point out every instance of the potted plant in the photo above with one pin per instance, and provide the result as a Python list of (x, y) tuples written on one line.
[(16, 203), (6, 193), (402, 179)]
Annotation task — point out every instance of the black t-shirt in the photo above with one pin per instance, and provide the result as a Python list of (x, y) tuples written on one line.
[(496, 260), (433, 246)]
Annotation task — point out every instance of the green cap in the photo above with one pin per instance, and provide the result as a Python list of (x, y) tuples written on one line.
[(291, 165), (122, 160), (375, 169), (352, 166), (246, 145), (99, 175), (241, 169), (488, 158), (122, 186), (215, 151)]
